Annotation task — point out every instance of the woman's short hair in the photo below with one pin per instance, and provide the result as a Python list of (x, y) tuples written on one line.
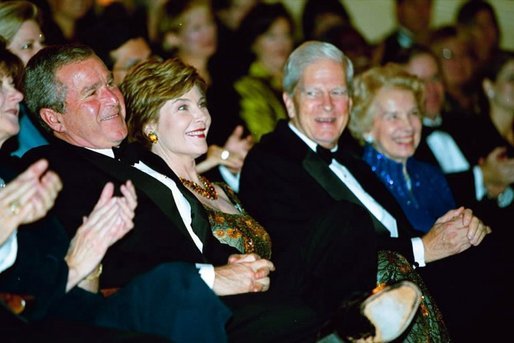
[(308, 53), (13, 14), (149, 86), (367, 85)]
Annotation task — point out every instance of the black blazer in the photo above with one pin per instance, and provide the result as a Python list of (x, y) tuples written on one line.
[(159, 234), (40, 270), (284, 184)]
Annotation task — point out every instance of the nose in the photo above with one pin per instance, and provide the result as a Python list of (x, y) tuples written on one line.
[(110, 95), (328, 105), (15, 95)]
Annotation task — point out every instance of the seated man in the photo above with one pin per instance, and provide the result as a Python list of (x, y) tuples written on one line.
[(297, 172), (77, 100)]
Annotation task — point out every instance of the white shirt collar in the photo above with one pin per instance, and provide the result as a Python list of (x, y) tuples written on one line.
[(310, 143), (107, 152)]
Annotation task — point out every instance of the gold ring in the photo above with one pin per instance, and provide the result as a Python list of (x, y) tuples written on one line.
[(14, 207), (225, 154)]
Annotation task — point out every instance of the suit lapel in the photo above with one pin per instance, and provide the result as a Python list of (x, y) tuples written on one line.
[(157, 192), (199, 221), (321, 172)]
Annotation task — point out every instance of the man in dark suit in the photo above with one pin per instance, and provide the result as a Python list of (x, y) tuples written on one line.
[(298, 171), (85, 112)]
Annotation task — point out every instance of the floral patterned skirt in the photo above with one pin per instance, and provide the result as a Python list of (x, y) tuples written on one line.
[(428, 325)]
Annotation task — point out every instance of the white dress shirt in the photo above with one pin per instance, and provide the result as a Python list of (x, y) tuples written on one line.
[(367, 200), (452, 160)]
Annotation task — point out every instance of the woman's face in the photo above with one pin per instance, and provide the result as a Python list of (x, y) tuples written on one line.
[(274, 46), (27, 41), (504, 87), (198, 36), (396, 127), (10, 99), (183, 125)]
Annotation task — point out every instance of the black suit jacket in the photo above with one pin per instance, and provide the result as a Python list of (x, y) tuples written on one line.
[(159, 234), (284, 184)]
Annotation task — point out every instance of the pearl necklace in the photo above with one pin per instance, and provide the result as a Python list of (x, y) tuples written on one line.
[(208, 191)]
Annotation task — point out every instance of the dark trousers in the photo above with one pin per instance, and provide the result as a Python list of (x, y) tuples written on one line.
[(171, 301), (313, 276)]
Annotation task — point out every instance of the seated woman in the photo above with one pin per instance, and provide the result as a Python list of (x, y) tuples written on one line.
[(266, 34), (179, 118), (59, 276), (386, 116)]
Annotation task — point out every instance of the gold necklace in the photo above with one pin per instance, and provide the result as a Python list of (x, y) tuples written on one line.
[(208, 191)]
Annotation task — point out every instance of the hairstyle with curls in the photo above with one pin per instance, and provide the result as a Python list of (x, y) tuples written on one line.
[(40, 80), (13, 14), (308, 53), (367, 85), (149, 86), (10, 65)]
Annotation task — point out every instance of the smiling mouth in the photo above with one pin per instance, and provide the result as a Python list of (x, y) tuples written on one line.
[(325, 120), (200, 133)]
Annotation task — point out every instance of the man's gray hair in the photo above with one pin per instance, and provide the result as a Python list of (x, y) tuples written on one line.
[(41, 87), (308, 53)]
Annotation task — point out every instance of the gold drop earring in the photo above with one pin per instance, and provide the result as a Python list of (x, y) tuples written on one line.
[(152, 136)]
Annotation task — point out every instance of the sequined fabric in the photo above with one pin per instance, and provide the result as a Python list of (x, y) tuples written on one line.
[(239, 230), (428, 324), (424, 194)]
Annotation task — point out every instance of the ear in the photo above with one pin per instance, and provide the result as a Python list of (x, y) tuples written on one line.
[(288, 101), (52, 119), (150, 127), (488, 88)]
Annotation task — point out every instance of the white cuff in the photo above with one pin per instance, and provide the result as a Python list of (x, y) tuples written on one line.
[(480, 190), (206, 272), (419, 251)]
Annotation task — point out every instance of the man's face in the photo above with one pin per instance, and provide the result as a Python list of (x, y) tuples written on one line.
[(425, 67), (321, 105), (95, 111)]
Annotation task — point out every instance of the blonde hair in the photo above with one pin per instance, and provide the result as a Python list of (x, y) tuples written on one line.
[(13, 14), (149, 86), (368, 84)]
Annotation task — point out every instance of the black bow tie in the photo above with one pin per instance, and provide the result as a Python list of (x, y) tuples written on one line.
[(127, 153), (326, 154)]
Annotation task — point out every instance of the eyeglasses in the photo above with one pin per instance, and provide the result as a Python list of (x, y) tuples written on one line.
[(318, 94)]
